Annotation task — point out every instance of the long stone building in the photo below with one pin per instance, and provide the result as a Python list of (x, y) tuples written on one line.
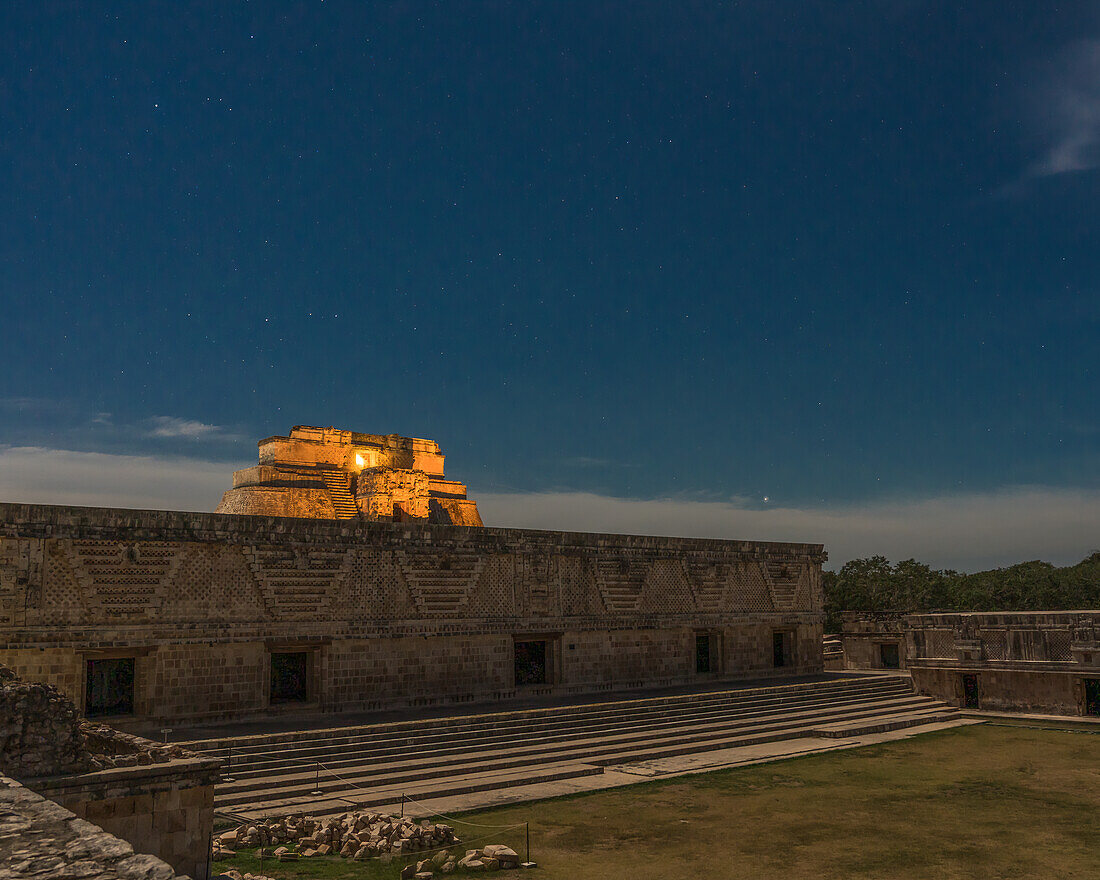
[(157, 615), (1010, 661)]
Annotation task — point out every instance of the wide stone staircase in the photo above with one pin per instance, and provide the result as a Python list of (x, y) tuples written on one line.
[(340, 493), (327, 771)]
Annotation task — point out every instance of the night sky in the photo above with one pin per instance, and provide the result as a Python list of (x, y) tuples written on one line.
[(796, 256)]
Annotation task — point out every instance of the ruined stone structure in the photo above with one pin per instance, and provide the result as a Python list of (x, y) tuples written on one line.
[(873, 640), (1044, 661), (157, 798), (149, 616), (328, 473), (39, 838)]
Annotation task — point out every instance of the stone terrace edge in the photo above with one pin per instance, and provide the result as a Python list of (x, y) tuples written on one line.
[(25, 520)]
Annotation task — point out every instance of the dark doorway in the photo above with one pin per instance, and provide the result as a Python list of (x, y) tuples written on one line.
[(779, 649), (890, 656), (1092, 696), (110, 687), (702, 652), (288, 677), (971, 695), (531, 663)]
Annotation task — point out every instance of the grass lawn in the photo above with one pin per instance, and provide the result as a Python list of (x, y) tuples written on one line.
[(974, 802)]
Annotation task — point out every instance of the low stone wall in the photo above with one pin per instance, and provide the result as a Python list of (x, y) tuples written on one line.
[(864, 636), (1006, 689), (42, 734), (159, 798), (40, 839), (163, 809), (1046, 662)]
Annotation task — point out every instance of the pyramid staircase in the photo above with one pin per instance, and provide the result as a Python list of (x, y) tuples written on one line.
[(325, 771), (340, 493)]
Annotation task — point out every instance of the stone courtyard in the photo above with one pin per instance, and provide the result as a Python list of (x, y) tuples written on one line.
[(345, 639)]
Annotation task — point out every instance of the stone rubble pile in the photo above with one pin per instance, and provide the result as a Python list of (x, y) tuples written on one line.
[(356, 835), (494, 857), (232, 874), (360, 835), (39, 731)]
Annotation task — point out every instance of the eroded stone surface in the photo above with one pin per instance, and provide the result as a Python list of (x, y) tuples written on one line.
[(39, 839)]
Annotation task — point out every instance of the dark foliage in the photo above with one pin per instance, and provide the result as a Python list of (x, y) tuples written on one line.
[(873, 584)]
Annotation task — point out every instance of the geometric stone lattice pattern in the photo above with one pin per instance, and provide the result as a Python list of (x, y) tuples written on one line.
[(782, 579), (384, 613), (994, 645), (620, 583), (215, 582), (749, 590), (10, 596), (939, 643), (708, 581), (296, 582), (666, 589), (124, 581), (440, 584), (1058, 645)]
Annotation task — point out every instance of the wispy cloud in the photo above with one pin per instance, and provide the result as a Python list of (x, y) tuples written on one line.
[(966, 532), (39, 475), (172, 427), (1067, 106)]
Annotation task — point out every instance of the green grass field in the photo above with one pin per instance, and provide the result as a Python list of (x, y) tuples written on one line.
[(975, 802)]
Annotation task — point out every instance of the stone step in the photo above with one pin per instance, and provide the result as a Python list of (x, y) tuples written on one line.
[(845, 729), (254, 764), (599, 750), (558, 715), (340, 493), (370, 796), (326, 805), (518, 743)]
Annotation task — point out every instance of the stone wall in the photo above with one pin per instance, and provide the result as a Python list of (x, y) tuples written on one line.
[(865, 633), (306, 502), (389, 614), (163, 809), (41, 839), (159, 798), (1039, 662)]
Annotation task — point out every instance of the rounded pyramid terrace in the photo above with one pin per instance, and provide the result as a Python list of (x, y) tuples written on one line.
[(330, 473)]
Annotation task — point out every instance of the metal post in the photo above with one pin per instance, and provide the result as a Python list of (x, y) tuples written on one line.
[(228, 764), (527, 832), (402, 805), (316, 779)]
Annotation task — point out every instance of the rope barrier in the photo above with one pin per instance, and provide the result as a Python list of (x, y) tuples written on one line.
[(405, 797), (461, 821)]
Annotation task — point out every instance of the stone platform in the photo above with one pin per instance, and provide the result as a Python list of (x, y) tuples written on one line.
[(542, 751)]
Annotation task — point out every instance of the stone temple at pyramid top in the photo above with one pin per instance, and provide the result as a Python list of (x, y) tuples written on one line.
[(329, 473)]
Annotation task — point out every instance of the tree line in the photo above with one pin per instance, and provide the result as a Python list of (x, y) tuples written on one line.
[(874, 584)]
